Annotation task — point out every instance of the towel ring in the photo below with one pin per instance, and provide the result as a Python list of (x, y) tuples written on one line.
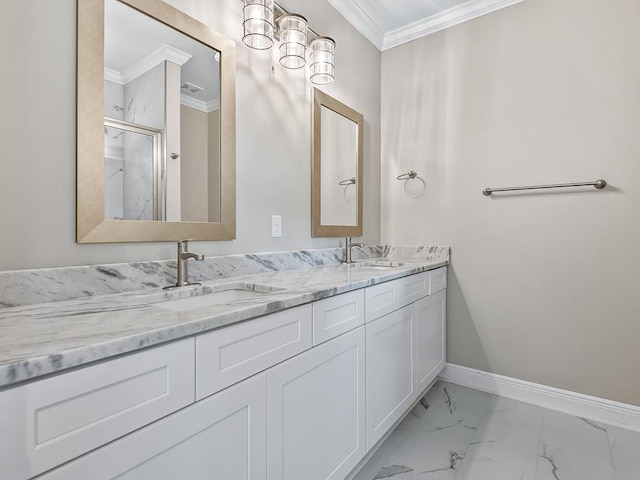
[(348, 181), (406, 176)]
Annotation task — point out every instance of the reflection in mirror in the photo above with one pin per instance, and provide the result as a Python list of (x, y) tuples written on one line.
[(339, 153), (156, 125), (167, 83), (132, 171), (337, 169)]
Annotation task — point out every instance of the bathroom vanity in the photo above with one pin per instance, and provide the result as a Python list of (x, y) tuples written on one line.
[(282, 376)]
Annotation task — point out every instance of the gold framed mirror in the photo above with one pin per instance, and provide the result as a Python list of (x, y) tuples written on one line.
[(336, 170), (165, 189)]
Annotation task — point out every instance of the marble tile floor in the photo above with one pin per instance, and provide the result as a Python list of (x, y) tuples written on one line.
[(456, 433)]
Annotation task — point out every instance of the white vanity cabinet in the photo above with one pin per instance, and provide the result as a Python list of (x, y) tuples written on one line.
[(51, 421), (430, 339), (303, 393), (316, 411), (334, 316), (405, 344), (220, 437), (390, 379), (228, 355)]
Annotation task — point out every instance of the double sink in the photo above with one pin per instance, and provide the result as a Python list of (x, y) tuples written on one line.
[(238, 291)]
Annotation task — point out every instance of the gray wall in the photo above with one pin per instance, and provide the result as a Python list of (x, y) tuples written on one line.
[(542, 286), (37, 133)]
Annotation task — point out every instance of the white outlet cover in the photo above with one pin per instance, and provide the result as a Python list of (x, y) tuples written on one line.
[(276, 226)]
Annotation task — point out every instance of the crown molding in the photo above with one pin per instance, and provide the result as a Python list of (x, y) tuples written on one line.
[(162, 54), (359, 19), (113, 76), (448, 18), (205, 107), (420, 28)]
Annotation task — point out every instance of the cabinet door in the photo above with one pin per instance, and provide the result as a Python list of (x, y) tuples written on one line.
[(54, 420), (221, 437), (390, 383), (430, 342), (315, 406)]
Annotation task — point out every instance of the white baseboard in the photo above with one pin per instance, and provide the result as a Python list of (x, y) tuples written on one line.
[(585, 406)]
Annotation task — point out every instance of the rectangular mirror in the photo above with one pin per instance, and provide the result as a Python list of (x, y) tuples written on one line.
[(336, 183), (156, 125)]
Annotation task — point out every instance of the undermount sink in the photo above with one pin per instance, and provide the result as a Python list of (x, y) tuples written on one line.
[(380, 264), (222, 294)]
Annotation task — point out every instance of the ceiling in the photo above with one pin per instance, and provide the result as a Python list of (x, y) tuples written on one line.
[(129, 54), (389, 23)]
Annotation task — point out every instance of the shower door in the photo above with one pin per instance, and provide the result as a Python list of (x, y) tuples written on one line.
[(133, 171)]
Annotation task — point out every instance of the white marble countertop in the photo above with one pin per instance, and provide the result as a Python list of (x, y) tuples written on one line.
[(40, 339)]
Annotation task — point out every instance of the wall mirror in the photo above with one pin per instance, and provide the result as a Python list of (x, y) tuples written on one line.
[(156, 125), (336, 173)]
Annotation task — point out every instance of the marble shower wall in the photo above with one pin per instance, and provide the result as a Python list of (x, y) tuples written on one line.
[(143, 105), (28, 287), (129, 171), (113, 156)]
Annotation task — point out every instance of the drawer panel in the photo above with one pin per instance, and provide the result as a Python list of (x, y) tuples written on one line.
[(336, 315), (389, 296), (437, 280), (220, 438), (231, 354), (63, 417)]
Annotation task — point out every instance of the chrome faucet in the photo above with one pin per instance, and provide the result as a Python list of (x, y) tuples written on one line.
[(183, 265), (348, 245)]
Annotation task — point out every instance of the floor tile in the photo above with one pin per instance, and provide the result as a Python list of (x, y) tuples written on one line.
[(447, 418), (509, 434), (456, 433), (381, 457), (625, 451), (437, 452), (572, 448), (487, 469), (447, 404)]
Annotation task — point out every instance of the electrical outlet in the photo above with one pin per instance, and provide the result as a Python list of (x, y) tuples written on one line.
[(276, 226)]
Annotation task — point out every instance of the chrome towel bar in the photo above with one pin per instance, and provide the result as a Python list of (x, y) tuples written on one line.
[(599, 184)]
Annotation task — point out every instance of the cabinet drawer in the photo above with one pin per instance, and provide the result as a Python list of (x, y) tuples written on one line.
[(387, 297), (57, 419), (231, 354), (337, 315), (222, 437), (437, 280)]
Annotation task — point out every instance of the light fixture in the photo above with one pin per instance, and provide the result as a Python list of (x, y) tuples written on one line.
[(291, 29), (258, 24), (293, 40), (322, 60)]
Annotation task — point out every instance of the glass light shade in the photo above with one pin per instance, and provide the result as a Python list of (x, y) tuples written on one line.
[(322, 60), (258, 24), (293, 40)]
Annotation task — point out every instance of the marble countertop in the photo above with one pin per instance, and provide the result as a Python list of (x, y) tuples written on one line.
[(40, 339)]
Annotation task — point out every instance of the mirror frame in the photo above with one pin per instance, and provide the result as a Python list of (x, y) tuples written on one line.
[(321, 99), (92, 227)]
